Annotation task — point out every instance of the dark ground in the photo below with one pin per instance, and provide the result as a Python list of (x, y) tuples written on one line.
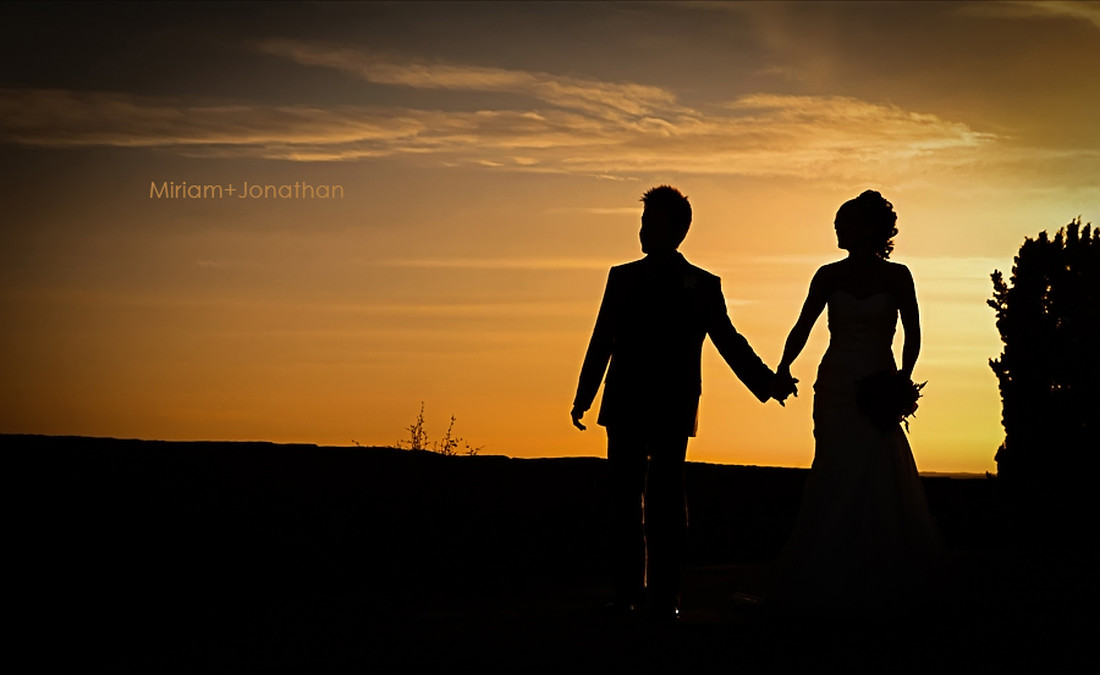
[(151, 556)]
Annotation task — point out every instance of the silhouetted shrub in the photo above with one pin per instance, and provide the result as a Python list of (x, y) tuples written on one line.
[(448, 445), (1049, 369)]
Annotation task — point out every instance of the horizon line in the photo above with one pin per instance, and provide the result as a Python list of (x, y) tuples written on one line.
[(357, 446)]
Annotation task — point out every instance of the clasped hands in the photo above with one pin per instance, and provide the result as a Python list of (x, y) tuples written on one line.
[(783, 385)]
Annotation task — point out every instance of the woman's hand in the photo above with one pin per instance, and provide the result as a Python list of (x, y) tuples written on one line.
[(783, 385)]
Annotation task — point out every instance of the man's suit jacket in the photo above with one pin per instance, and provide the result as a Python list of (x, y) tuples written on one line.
[(654, 315)]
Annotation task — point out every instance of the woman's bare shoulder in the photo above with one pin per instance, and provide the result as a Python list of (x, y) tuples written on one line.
[(898, 271), (829, 270), (900, 281)]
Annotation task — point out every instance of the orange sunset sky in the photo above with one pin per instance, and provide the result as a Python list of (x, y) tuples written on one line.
[(490, 158)]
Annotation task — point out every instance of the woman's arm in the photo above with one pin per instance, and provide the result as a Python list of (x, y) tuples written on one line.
[(811, 309), (910, 321)]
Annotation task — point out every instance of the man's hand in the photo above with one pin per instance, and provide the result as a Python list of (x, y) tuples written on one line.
[(783, 385), (577, 414)]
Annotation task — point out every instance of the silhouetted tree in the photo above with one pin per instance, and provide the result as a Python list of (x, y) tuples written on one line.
[(1049, 371)]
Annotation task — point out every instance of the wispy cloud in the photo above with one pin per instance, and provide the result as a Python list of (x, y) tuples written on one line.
[(947, 267), (55, 117), (221, 263), (603, 98), (1085, 11), (599, 210), (504, 263), (571, 125)]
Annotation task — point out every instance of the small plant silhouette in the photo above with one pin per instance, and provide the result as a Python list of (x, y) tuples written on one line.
[(418, 438), (448, 445)]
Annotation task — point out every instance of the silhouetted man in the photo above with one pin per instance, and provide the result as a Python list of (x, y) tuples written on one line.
[(654, 315)]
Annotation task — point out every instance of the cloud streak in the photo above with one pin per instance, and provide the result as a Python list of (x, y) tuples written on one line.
[(568, 125), (608, 100), (542, 264), (1085, 11)]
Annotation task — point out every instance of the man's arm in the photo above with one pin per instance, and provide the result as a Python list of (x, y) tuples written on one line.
[(735, 349), (596, 358)]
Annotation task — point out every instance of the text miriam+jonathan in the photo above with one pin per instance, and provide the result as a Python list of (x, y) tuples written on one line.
[(297, 190)]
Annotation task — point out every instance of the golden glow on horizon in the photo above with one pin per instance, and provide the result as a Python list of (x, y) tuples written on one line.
[(484, 192), (298, 337)]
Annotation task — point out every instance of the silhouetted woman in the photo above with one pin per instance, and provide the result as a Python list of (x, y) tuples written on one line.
[(864, 542)]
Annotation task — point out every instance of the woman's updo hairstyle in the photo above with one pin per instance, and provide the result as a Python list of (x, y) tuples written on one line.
[(873, 211)]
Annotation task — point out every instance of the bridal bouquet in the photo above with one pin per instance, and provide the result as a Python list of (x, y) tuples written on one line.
[(888, 398)]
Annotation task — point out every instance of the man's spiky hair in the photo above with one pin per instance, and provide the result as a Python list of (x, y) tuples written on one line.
[(669, 202)]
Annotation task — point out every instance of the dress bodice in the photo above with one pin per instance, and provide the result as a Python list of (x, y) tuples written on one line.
[(861, 333), (861, 323)]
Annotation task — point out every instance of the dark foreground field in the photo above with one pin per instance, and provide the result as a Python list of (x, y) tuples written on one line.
[(139, 556)]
